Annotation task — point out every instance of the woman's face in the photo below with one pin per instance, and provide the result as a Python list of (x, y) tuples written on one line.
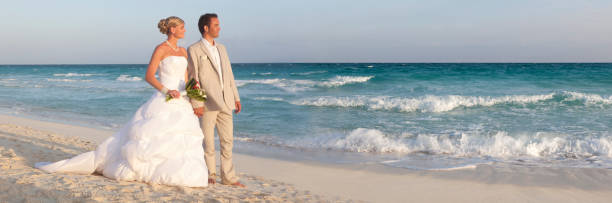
[(178, 31)]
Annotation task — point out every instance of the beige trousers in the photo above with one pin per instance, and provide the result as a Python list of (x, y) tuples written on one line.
[(222, 120)]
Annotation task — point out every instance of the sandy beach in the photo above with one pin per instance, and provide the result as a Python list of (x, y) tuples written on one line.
[(24, 142)]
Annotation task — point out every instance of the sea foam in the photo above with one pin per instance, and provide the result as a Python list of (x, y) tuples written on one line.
[(343, 80), (73, 74), (128, 78), (269, 99), (499, 144), (587, 98), (428, 103)]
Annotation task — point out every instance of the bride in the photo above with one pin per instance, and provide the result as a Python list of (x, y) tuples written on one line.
[(162, 143)]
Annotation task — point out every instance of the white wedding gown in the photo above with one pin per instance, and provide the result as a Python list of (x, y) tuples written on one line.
[(161, 144)]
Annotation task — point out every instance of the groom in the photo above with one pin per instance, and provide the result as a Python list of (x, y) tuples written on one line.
[(210, 65)]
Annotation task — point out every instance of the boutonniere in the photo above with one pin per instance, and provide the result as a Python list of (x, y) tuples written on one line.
[(204, 57)]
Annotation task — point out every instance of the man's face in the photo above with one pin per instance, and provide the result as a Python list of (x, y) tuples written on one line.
[(213, 28)]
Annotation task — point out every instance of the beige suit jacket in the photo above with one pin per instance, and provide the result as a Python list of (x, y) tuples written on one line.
[(201, 67)]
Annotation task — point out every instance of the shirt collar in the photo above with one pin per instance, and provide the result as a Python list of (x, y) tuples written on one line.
[(208, 43)]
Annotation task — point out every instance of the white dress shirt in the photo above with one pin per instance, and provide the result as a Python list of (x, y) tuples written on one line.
[(216, 59)]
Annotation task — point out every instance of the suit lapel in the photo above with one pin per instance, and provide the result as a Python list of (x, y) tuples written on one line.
[(221, 57), (209, 56)]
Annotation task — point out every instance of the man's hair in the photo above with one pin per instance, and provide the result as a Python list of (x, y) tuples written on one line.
[(205, 21)]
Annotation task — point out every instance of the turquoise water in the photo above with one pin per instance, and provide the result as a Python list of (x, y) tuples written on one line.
[(404, 115)]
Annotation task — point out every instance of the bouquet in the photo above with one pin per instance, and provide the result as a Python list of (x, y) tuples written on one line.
[(192, 90)]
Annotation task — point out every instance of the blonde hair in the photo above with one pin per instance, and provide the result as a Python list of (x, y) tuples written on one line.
[(165, 24)]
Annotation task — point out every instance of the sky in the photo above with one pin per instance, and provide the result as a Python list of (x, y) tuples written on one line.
[(266, 31)]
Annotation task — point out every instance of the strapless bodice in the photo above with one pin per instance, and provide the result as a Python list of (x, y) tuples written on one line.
[(172, 72)]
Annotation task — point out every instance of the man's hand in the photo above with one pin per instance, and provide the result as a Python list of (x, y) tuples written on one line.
[(238, 107), (198, 111)]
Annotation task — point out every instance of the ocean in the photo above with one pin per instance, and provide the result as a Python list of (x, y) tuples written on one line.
[(415, 116)]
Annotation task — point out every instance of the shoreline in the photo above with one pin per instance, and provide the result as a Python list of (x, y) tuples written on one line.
[(378, 183)]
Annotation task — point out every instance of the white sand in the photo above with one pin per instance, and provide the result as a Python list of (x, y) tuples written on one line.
[(25, 141)]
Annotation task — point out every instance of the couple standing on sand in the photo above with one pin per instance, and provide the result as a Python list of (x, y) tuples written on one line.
[(162, 143)]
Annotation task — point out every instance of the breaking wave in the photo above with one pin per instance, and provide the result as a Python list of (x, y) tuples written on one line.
[(343, 80), (444, 103), (128, 78), (498, 144)]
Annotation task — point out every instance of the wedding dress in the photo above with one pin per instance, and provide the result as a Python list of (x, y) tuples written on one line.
[(161, 144)]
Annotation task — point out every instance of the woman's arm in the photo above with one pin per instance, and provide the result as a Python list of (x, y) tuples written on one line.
[(152, 69)]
